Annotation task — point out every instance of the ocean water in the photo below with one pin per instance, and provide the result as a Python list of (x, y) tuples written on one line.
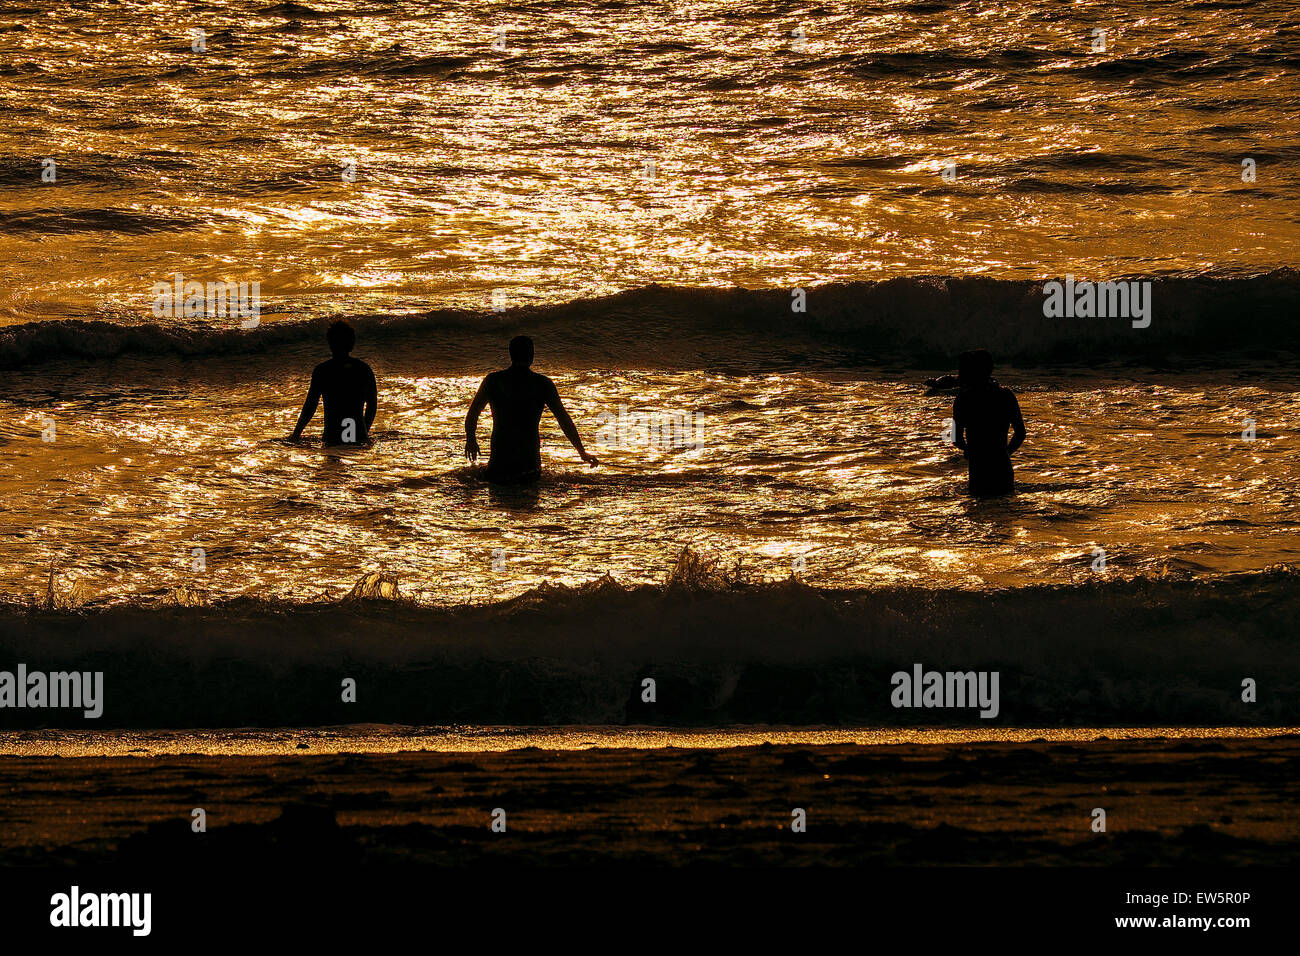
[(841, 479), (604, 182), (610, 145)]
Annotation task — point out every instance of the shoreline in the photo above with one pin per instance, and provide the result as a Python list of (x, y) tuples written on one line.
[(1225, 801), (378, 739)]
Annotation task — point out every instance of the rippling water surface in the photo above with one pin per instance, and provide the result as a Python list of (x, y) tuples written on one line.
[(613, 144), (551, 152), (845, 474)]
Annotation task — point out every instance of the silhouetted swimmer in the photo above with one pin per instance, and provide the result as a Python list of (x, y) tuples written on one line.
[(982, 412), (941, 384), (348, 387), (517, 396)]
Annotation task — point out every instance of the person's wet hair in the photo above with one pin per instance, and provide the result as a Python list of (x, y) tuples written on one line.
[(341, 337), (974, 367), (521, 350)]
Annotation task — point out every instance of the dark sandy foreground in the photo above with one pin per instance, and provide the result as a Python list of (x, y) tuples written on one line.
[(1224, 802)]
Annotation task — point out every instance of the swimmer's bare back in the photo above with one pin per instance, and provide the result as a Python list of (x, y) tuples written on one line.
[(517, 396)]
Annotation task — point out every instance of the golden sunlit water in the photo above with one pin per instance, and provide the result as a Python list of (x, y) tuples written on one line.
[(515, 155), (848, 475), (606, 145)]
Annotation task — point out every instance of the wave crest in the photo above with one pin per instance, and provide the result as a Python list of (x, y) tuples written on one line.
[(1158, 652), (923, 320)]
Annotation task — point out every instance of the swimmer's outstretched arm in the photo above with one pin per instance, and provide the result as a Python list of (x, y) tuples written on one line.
[(471, 421), (372, 403), (308, 409), (566, 425)]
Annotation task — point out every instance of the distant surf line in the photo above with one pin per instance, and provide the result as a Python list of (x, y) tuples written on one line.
[(391, 739)]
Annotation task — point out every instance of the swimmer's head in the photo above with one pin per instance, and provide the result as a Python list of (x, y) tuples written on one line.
[(341, 337), (974, 368), (521, 350)]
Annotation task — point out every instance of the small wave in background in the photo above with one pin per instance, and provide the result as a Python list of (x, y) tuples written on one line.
[(563, 151), (914, 322)]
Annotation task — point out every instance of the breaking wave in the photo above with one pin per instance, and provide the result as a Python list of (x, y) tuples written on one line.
[(920, 320), (721, 651)]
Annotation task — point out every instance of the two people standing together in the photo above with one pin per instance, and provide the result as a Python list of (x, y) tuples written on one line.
[(517, 396)]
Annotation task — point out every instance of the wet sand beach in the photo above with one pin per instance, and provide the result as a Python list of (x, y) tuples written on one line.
[(1208, 801)]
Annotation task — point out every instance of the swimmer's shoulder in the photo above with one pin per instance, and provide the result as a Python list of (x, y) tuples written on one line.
[(544, 387)]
